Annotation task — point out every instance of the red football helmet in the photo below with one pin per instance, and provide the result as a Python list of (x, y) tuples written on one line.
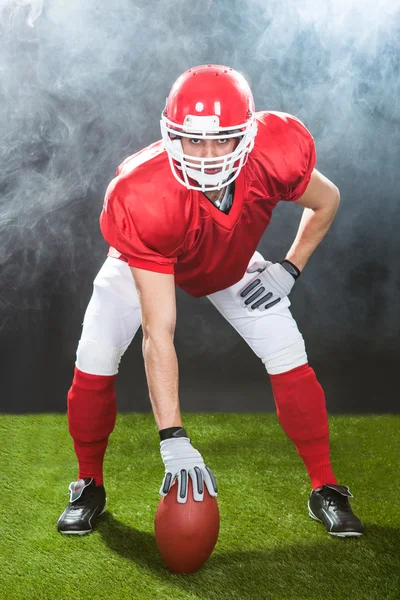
[(209, 102)]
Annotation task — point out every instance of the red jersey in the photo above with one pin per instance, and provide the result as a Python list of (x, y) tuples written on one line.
[(154, 223)]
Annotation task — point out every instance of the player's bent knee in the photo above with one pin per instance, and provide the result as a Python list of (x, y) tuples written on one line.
[(97, 358), (287, 358)]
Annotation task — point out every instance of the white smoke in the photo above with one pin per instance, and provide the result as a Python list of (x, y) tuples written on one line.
[(12, 10), (82, 85)]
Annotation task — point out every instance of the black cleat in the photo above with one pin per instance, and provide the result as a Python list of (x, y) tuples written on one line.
[(87, 501), (330, 505)]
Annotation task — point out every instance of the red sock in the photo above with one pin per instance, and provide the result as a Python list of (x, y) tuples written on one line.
[(301, 410), (91, 418)]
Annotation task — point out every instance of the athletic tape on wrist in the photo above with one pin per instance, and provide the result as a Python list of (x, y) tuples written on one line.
[(172, 432), (291, 268)]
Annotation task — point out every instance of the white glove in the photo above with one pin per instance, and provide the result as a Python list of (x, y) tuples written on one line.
[(272, 284), (180, 460)]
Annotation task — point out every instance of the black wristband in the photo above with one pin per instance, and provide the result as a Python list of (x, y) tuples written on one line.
[(172, 432), (291, 268)]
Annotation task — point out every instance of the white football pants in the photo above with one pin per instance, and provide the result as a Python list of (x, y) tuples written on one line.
[(113, 317)]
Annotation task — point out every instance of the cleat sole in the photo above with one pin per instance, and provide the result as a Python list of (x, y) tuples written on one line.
[(346, 534), (75, 532)]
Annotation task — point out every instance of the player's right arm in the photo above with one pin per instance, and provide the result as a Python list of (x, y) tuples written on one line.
[(158, 305), (151, 246)]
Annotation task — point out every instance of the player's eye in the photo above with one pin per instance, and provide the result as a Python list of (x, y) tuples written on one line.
[(222, 140), (195, 141)]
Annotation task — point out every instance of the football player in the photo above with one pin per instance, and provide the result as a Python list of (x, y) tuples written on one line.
[(189, 211)]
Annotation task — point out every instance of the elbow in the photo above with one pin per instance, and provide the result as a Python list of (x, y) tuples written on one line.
[(337, 199), (334, 200), (158, 334), (335, 194)]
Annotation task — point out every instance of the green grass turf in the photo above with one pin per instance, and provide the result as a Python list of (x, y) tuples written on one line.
[(268, 548)]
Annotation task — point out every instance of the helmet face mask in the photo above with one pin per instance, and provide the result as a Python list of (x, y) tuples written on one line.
[(207, 107)]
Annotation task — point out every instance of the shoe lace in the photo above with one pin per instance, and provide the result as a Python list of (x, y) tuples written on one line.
[(83, 500), (339, 502)]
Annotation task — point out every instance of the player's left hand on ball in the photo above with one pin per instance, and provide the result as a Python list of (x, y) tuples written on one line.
[(272, 283), (182, 461)]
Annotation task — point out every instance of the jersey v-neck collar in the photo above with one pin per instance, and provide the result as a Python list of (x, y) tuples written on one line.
[(227, 220), (226, 198)]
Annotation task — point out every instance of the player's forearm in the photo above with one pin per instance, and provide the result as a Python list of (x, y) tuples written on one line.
[(314, 226), (161, 366)]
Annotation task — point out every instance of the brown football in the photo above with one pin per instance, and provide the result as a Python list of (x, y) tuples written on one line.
[(186, 534)]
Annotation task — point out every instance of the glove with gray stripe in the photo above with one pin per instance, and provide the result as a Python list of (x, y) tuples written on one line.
[(181, 461), (274, 282)]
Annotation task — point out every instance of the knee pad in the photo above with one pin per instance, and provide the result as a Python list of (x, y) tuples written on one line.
[(97, 358), (286, 358)]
